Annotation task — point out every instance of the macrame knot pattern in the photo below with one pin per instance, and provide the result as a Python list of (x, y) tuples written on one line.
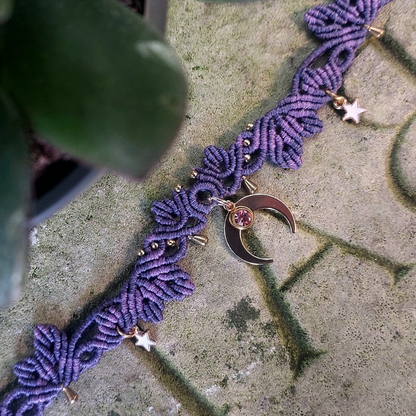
[(223, 166), (156, 279), (278, 136), (40, 376), (58, 361), (343, 19), (184, 214)]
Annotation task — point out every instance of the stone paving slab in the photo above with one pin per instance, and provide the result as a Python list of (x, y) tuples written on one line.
[(401, 31), (329, 327), (388, 103), (404, 157), (367, 328)]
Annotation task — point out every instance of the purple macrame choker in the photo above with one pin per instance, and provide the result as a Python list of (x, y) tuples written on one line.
[(278, 136)]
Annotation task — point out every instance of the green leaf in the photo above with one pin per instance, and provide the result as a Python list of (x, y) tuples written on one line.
[(94, 80), (6, 9), (14, 191), (227, 1)]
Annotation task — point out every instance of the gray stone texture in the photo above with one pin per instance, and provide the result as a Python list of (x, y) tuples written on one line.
[(329, 327)]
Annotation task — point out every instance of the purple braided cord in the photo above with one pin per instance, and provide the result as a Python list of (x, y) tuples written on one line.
[(156, 278)]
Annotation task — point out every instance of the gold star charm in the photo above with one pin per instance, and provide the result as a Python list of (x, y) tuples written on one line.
[(353, 111), (142, 338)]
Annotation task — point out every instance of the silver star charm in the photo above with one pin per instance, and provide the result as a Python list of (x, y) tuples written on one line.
[(142, 338), (353, 111), (144, 341)]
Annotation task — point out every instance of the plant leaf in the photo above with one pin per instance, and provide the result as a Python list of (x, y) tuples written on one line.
[(94, 80), (227, 1), (6, 9), (14, 191)]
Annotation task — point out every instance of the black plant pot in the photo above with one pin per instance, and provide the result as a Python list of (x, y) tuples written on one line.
[(65, 180), (59, 186)]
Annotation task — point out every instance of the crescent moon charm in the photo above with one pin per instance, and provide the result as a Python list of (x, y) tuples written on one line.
[(242, 217)]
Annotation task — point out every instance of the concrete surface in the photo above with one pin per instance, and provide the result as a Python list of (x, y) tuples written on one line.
[(329, 328)]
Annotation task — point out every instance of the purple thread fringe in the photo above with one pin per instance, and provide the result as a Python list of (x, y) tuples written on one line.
[(157, 278)]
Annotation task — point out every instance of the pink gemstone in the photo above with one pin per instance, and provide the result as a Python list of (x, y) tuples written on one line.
[(243, 217)]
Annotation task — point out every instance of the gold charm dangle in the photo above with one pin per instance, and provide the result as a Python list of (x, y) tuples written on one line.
[(352, 111), (375, 31), (142, 337), (250, 186), (200, 239), (240, 217), (71, 395), (245, 206)]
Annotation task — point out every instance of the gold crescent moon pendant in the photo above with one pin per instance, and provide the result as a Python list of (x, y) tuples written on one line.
[(242, 217)]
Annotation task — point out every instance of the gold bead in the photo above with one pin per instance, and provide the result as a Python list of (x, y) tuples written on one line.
[(246, 142), (249, 126), (141, 252), (171, 243), (71, 395), (154, 245), (194, 174), (247, 158), (178, 188)]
